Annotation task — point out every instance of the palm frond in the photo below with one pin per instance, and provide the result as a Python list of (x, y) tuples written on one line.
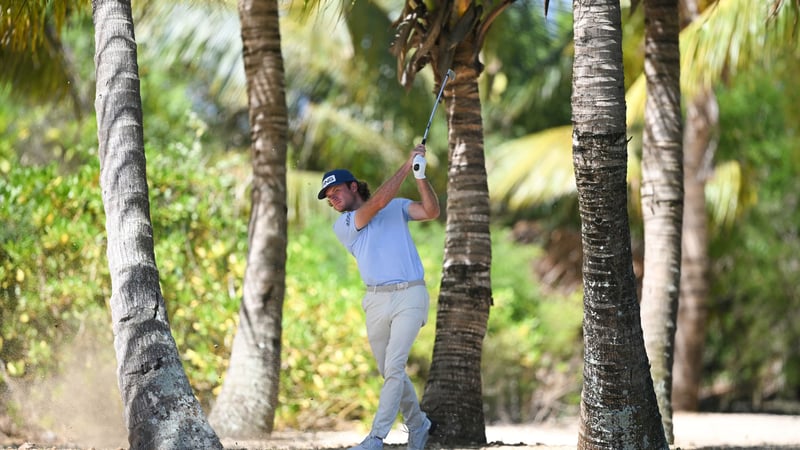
[(321, 67), (731, 36), (168, 32), (536, 168), (727, 195), (35, 62), (728, 37), (366, 139), (308, 52), (38, 74), (23, 22)]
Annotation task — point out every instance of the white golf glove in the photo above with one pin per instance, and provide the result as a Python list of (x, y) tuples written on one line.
[(419, 164)]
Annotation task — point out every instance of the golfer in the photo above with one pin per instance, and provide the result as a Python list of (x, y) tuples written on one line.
[(374, 229)]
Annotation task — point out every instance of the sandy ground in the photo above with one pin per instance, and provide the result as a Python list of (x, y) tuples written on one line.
[(692, 431)]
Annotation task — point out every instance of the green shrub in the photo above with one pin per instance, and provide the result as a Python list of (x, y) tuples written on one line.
[(533, 339), (754, 304), (55, 282)]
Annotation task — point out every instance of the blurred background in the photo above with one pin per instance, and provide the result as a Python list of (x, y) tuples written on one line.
[(347, 109)]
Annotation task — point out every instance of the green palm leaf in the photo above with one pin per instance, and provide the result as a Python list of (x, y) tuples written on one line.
[(533, 169), (728, 194), (326, 74), (372, 144), (169, 33), (733, 35), (537, 169), (730, 36), (35, 64)]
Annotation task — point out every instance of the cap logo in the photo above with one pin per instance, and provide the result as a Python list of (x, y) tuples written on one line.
[(332, 177), (328, 181)]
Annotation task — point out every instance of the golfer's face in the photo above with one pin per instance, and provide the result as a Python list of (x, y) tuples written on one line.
[(340, 197)]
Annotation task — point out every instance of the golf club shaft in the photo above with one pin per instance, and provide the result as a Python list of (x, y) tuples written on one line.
[(447, 77)]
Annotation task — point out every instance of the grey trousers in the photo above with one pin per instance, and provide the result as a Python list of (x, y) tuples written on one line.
[(393, 323)]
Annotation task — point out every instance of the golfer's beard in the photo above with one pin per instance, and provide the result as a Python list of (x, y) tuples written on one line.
[(346, 207)]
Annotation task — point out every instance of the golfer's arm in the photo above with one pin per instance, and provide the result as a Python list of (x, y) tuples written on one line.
[(428, 207), (382, 196)]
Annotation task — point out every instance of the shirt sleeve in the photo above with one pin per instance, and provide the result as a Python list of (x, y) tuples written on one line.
[(345, 229)]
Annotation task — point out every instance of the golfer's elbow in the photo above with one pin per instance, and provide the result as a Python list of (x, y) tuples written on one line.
[(434, 211), (431, 211), (426, 210)]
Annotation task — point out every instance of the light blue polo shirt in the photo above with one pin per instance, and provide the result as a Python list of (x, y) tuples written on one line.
[(384, 250)]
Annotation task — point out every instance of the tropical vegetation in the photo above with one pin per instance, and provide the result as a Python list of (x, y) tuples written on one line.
[(55, 284)]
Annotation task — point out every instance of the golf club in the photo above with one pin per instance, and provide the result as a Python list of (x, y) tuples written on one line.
[(449, 75)]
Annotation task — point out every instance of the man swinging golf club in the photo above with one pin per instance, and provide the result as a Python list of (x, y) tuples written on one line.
[(374, 229)]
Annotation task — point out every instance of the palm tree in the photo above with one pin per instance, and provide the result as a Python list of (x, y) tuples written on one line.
[(331, 80), (726, 37), (720, 40), (450, 35), (662, 197), (161, 410), (245, 407), (702, 118), (618, 404)]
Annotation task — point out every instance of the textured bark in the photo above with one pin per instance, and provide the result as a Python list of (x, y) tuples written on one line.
[(450, 36), (701, 122), (662, 197), (160, 409), (618, 404), (246, 405), (453, 393)]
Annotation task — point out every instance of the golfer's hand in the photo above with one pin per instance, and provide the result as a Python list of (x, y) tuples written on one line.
[(418, 162), (419, 166)]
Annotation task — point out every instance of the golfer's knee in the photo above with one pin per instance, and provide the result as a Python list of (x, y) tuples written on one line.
[(394, 370)]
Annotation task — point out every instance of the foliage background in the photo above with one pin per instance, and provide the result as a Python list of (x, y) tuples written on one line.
[(54, 284)]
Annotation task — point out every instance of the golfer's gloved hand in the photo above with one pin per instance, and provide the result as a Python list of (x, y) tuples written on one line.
[(418, 166)]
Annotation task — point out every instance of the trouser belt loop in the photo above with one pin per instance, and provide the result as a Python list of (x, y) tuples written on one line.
[(396, 286)]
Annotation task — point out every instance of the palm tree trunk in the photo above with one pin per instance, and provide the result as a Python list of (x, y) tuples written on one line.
[(161, 410), (246, 405), (618, 404), (662, 197), (453, 393), (702, 119)]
